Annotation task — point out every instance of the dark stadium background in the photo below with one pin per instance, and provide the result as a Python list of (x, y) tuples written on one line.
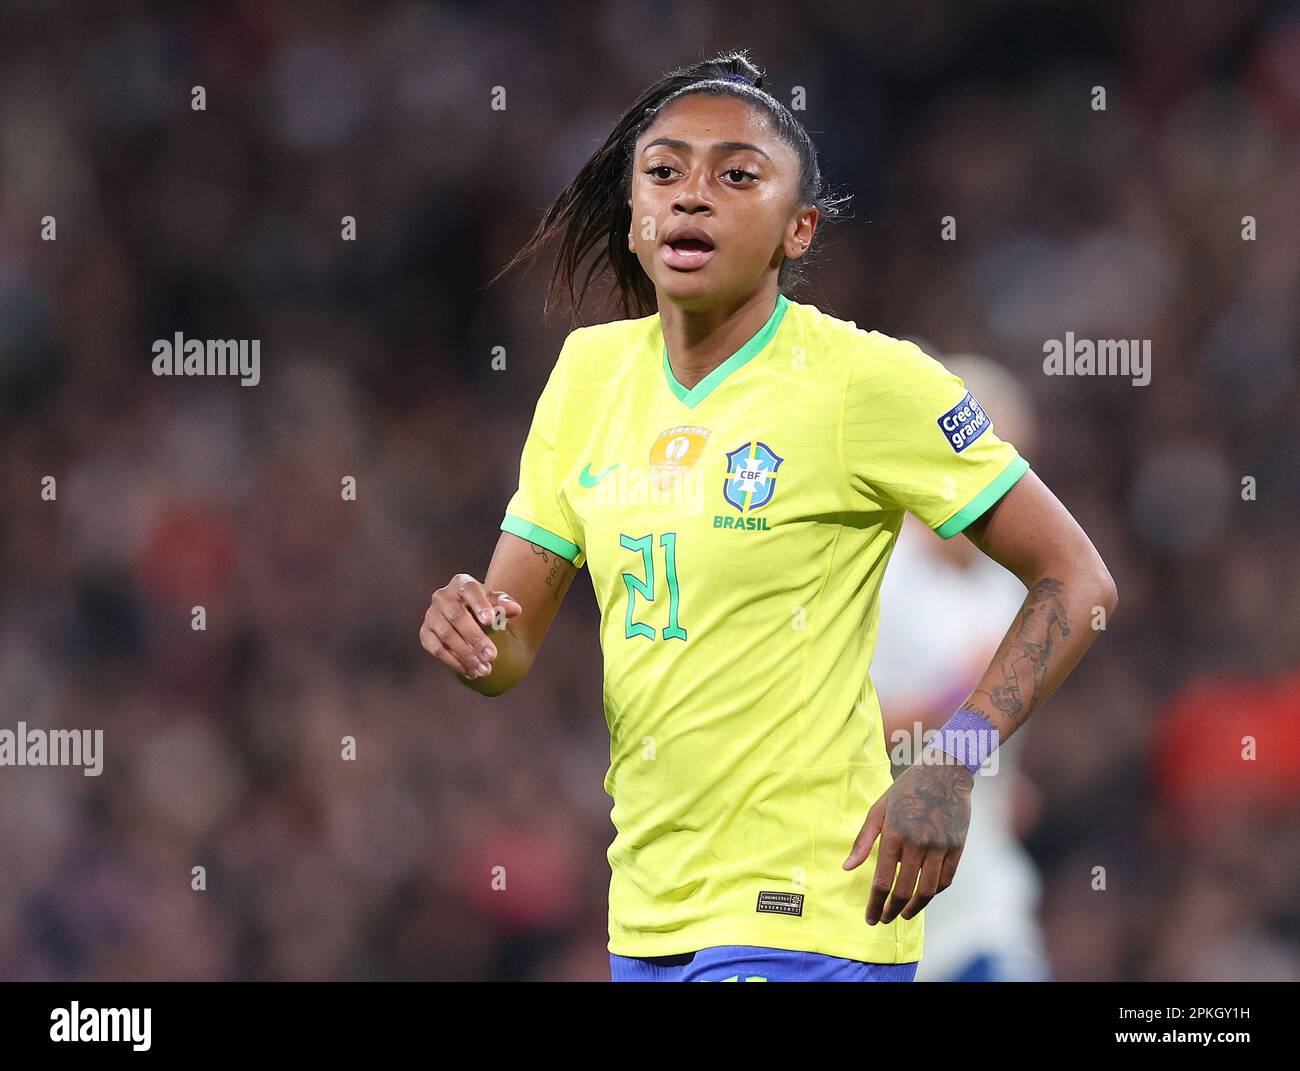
[(222, 746)]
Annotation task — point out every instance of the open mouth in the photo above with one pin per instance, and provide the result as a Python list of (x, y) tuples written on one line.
[(687, 254)]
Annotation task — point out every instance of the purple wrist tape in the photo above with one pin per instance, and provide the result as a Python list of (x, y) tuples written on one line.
[(968, 738)]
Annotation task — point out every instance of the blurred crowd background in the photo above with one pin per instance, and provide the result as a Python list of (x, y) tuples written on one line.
[(222, 747)]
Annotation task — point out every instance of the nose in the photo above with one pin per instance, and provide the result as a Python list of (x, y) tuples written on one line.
[(691, 196)]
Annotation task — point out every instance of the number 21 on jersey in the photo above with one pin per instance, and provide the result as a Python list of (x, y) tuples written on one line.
[(645, 587)]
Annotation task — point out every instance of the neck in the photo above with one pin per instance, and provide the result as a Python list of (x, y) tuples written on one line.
[(701, 339)]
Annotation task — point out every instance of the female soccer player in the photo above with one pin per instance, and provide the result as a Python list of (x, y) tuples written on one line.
[(733, 467)]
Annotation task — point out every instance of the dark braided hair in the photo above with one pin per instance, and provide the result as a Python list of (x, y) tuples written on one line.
[(592, 213)]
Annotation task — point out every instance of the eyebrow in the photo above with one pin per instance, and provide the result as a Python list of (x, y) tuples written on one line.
[(718, 146)]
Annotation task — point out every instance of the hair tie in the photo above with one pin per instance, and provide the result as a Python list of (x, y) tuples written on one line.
[(736, 78)]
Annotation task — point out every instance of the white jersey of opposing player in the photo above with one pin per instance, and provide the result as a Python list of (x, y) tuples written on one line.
[(940, 624)]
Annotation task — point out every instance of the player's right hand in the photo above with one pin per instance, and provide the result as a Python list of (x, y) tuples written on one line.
[(459, 623)]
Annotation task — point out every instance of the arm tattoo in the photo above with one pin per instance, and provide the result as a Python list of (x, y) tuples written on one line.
[(1026, 654), (554, 579)]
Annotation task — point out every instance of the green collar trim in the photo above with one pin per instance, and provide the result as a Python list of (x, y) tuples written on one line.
[(696, 394)]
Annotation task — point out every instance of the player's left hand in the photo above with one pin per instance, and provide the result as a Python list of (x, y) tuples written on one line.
[(921, 822)]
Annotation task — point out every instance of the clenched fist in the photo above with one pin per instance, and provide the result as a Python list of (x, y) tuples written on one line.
[(458, 625)]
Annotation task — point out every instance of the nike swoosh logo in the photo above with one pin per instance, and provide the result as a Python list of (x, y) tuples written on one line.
[(588, 480)]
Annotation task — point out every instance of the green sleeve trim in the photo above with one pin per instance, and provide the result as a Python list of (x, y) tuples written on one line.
[(979, 505), (535, 533)]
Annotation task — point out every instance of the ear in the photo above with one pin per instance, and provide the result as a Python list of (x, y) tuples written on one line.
[(799, 235)]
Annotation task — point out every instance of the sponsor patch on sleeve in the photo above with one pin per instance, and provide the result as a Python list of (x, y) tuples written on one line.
[(964, 423)]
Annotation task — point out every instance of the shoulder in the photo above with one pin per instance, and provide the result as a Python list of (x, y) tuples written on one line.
[(587, 351), (871, 366), (866, 352), (888, 365), (819, 328), (886, 354), (894, 380)]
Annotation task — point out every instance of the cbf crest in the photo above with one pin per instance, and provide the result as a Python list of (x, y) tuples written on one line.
[(751, 475)]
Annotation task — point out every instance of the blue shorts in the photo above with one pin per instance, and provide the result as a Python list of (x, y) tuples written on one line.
[(749, 963)]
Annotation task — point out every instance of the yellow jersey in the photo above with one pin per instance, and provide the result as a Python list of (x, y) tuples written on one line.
[(736, 533)]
